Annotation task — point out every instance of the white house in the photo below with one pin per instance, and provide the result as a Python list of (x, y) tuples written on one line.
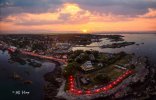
[(87, 66)]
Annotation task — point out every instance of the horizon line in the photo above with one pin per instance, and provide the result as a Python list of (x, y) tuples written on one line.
[(74, 32)]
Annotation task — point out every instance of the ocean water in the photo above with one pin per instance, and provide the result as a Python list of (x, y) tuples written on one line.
[(8, 85), (146, 47)]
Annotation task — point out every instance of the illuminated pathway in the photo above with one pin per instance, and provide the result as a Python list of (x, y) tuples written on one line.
[(76, 91), (40, 56), (71, 79), (44, 57)]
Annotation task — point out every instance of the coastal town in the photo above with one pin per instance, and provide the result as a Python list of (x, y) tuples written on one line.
[(81, 75), (77, 49)]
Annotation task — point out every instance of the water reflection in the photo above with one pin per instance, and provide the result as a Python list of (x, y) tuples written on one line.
[(11, 65), (146, 45)]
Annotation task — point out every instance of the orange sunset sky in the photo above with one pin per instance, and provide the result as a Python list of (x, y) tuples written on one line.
[(77, 15)]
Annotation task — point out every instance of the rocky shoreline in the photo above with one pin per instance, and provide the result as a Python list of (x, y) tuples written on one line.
[(118, 45), (144, 88), (53, 79), (53, 82), (141, 89), (132, 85)]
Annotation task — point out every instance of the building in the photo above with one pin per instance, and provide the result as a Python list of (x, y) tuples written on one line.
[(64, 46), (12, 48), (84, 81), (87, 66), (120, 67), (100, 64), (91, 57)]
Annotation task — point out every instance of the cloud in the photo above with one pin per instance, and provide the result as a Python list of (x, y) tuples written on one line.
[(12, 7), (150, 14), (78, 15), (120, 7), (65, 14)]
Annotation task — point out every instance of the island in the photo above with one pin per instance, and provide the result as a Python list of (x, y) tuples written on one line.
[(118, 45)]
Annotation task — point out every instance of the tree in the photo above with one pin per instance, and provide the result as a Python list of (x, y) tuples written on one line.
[(38, 46), (132, 66), (70, 69), (102, 78)]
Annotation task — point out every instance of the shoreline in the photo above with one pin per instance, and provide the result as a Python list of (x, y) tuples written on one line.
[(134, 79), (53, 85)]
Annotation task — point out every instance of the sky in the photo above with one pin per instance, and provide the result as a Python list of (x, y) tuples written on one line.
[(21, 16)]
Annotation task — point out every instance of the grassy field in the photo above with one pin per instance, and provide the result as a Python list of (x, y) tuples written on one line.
[(111, 71), (124, 60)]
